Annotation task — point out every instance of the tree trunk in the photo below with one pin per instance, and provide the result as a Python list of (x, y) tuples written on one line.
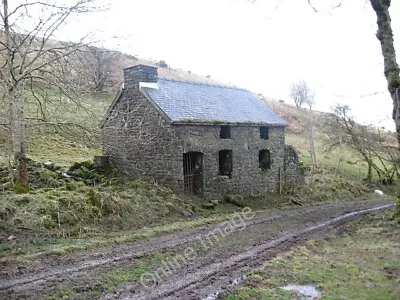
[(16, 106), (17, 124), (391, 68)]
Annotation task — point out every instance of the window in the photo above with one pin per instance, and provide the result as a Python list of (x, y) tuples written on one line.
[(225, 163), (264, 159), (264, 132), (225, 132)]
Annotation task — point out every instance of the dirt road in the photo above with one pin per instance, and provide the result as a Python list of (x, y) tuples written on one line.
[(198, 263)]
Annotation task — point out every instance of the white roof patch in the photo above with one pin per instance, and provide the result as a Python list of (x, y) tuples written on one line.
[(150, 85)]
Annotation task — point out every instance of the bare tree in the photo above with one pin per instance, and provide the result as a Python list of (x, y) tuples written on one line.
[(95, 66), (303, 95), (32, 60), (372, 145), (300, 93)]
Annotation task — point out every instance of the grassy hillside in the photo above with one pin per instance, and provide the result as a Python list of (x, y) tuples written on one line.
[(342, 161)]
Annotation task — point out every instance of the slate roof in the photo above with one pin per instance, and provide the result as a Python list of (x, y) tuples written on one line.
[(192, 102)]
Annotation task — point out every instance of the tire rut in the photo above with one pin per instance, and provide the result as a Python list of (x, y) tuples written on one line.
[(80, 263), (75, 267), (202, 281)]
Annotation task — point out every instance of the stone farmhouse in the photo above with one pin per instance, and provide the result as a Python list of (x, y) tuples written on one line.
[(197, 138)]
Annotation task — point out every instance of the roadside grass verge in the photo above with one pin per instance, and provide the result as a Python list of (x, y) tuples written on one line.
[(361, 261), (25, 250)]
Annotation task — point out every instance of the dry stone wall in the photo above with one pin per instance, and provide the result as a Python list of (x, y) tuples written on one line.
[(293, 173)]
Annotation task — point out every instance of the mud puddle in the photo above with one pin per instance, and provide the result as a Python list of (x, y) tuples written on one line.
[(305, 292)]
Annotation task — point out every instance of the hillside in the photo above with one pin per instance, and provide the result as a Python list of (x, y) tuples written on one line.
[(98, 62), (339, 161)]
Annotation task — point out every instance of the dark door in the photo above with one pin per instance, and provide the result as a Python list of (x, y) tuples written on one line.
[(193, 173)]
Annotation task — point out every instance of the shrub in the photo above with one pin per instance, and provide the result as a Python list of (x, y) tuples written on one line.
[(88, 172)]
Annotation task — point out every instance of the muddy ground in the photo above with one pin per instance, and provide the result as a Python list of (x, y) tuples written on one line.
[(200, 263)]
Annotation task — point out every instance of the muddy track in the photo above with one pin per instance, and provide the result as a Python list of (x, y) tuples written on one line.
[(206, 278), (263, 236)]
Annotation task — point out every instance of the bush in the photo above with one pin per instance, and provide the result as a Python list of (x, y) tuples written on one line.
[(88, 172), (303, 167)]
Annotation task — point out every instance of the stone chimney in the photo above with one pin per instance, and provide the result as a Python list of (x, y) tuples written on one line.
[(140, 73)]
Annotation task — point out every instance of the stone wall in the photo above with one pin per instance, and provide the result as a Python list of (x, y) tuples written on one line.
[(293, 173), (245, 142), (141, 143), (138, 139)]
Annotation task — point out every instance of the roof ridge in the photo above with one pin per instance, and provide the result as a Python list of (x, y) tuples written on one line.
[(202, 83)]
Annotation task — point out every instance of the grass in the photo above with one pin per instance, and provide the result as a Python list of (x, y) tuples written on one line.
[(75, 216), (114, 278), (19, 252), (350, 166), (64, 293), (76, 140), (76, 206), (362, 262), (341, 161), (397, 211), (60, 150)]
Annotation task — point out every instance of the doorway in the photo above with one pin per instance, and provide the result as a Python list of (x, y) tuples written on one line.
[(193, 173)]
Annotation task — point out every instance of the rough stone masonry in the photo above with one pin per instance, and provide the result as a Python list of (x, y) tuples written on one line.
[(197, 138)]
